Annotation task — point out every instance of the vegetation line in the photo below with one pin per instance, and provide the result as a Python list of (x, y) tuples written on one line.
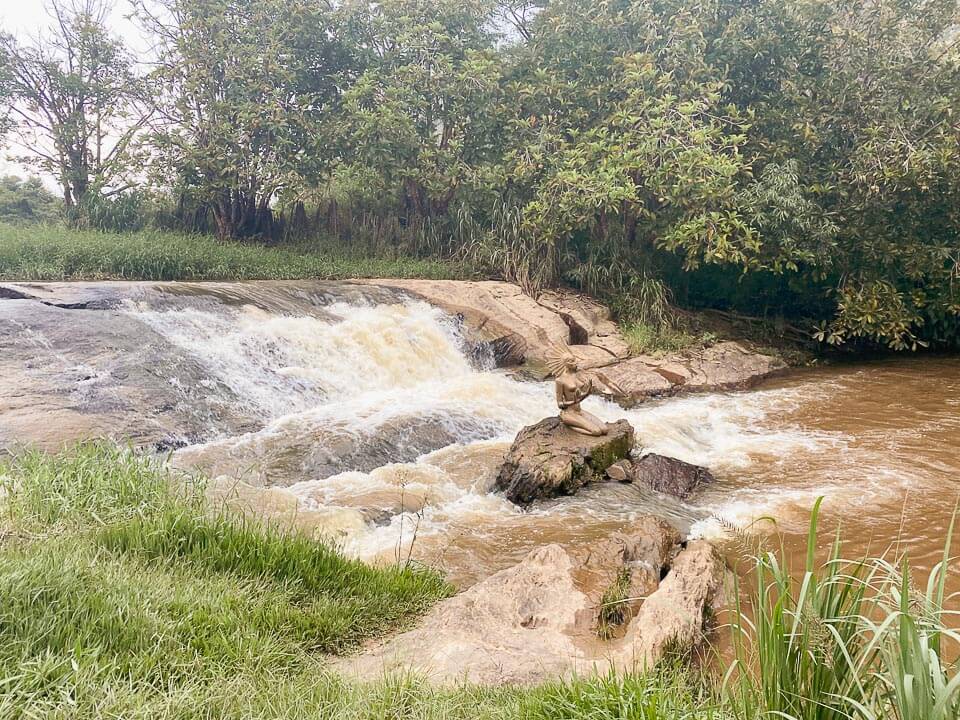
[(784, 159)]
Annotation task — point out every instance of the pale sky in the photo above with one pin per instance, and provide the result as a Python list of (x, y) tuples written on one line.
[(28, 16)]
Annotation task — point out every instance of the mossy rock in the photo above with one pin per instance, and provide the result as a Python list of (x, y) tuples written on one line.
[(549, 459)]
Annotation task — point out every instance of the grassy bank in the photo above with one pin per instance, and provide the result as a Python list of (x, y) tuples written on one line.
[(122, 595), (53, 252), (119, 585)]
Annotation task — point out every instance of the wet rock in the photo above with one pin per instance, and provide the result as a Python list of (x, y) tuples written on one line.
[(621, 471), (12, 293), (669, 475), (728, 366), (74, 366), (549, 459), (638, 380), (109, 376), (295, 447), (526, 329)]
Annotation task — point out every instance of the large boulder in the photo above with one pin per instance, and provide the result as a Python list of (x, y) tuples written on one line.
[(638, 380), (549, 459), (677, 617), (668, 475), (537, 620), (514, 627), (640, 555)]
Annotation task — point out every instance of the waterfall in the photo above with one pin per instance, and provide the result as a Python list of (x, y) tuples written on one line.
[(379, 423)]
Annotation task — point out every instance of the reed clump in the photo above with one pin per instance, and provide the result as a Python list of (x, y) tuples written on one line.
[(845, 639)]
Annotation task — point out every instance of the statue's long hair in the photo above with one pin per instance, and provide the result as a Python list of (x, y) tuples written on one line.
[(558, 357)]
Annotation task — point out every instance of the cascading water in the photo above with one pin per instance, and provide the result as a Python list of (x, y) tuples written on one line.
[(375, 420)]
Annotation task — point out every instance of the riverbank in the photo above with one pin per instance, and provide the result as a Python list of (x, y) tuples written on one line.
[(34, 253), (55, 253), (122, 595)]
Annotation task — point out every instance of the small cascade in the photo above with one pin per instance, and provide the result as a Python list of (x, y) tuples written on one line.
[(376, 419)]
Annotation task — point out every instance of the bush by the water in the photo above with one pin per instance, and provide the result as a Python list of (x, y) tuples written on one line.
[(124, 594)]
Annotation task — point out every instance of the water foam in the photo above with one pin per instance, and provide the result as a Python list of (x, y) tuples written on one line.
[(360, 371), (281, 364)]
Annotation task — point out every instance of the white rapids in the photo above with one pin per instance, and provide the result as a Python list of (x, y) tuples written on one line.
[(376, 419)]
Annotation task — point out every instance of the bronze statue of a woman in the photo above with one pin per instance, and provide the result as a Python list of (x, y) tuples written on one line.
[(572, 388)]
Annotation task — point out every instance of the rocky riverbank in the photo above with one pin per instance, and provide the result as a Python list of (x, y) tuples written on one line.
[(521, 331), (554, 614)]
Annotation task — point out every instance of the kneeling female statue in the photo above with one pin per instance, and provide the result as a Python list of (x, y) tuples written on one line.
[(573, 387)]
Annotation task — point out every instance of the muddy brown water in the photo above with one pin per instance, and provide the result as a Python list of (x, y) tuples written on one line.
[(424, 429)]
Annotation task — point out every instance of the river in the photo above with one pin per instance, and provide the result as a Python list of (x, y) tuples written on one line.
[(386, 433)]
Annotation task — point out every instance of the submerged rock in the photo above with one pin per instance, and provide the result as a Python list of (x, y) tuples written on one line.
[(549, 459), (669, 475)]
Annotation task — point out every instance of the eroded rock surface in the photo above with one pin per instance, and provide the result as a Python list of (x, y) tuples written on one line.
[(522, 328), (77, 364), (677, 615), (536, 620), (644, 552), (549, 459), (724, 366)]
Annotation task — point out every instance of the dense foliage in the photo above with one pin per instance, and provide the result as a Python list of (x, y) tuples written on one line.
[(785, 157), (27, 201)]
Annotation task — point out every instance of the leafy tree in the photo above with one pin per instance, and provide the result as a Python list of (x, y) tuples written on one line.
[(247, 89), (854, 108), (418, 119), (27, 201), (622, 146), (76, 103)]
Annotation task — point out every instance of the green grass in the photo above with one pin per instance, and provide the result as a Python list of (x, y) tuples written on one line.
[(123, 595), (54, 252), (114, 576), (656, 340), (845, 639), (613, 608)]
